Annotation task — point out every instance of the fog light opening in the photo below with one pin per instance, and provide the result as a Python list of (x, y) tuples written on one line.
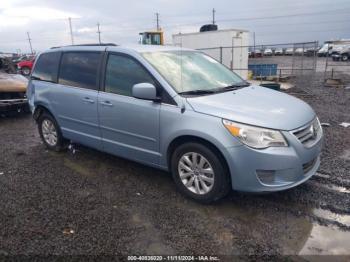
[(267, 176)]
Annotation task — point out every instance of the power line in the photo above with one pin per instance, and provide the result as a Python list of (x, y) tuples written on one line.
[(285, 16), (304, 32), (266, 17)]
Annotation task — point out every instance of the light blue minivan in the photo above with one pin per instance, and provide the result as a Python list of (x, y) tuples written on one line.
[(178, 110)]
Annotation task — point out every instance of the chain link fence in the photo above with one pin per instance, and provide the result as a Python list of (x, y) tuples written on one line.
[(336, 66), (294, 62)]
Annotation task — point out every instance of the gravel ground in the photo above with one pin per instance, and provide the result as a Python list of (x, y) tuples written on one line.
[(91, 203)]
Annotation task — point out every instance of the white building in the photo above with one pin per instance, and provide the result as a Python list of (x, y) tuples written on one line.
[(228, 46)]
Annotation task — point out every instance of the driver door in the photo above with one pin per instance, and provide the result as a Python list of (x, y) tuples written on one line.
[(129, 126)]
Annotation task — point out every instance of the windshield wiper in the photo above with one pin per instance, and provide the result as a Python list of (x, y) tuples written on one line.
[(197, 92), (236, 86)]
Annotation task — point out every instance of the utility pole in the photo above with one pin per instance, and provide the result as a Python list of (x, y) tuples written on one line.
[(30, 43), (254, 41), (214, 16), (157, 18), (71, 31), (99, 32)]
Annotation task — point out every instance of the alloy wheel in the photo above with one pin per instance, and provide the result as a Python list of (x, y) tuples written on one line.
[(49, 132), (196, 173)]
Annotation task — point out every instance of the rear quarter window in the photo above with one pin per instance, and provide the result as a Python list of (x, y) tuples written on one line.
[(80, 69), (46, 67)]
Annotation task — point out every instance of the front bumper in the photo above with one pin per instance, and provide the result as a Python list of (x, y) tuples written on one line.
[(14, 105), (285, 167)]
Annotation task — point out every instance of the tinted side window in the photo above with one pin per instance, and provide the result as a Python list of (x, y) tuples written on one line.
[(80, 69), (46, 67), (123, 73)]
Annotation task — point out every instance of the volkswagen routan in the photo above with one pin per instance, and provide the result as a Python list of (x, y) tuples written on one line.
[(178, 110)]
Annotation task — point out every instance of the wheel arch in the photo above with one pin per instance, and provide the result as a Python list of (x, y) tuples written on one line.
[(39, 110), (180, 140)]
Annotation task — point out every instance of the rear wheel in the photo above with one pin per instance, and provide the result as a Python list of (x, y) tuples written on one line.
[(25, 71), (200, 173), (50, 132), (345, 57)]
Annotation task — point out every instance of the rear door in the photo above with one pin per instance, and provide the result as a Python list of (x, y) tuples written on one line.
[(75, 97), (129, 126)]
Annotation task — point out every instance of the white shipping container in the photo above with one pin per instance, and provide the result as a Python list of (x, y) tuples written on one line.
[(228, 46)]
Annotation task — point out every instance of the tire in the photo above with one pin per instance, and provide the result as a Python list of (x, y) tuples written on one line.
[(25, 71), (50, 132), (344, 57), (221, 183)]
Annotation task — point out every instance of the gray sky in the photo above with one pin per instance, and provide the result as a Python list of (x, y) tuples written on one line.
[(273, 21)]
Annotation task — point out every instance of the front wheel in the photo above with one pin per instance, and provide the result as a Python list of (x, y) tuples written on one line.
[(200, 173)]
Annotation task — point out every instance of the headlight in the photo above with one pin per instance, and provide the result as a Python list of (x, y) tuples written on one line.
[(255, 137)]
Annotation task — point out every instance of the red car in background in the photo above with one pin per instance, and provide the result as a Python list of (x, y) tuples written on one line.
[(25, 67)]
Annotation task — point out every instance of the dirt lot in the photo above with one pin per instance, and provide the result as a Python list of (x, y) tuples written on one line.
[(91, 203)]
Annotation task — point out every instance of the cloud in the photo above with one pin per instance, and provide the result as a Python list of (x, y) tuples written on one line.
[(19, 16)]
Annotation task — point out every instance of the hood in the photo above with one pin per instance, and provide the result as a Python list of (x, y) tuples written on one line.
[(12, 83), (258, 106)]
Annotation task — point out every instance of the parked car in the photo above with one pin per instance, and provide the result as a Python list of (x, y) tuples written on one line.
[(330, 49), (212, 130), (25, 67), (16, 60), (257, 53), (289, 51), (268, 52), (312, 51), (279, 51), (13, 93), (343, 55), (323, 51), (299, 51)]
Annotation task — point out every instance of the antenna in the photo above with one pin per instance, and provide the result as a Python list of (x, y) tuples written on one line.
[(30, 43), (99, 33), (71, 31), (213, 16), (157, 18)]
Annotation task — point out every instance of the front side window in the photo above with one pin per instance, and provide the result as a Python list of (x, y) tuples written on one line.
[(191, 70), (80, 69), (123, 73), (46, 67)]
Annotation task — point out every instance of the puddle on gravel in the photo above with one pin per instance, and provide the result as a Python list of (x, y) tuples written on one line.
[(326, 241), (326, 214), (78, 168), (149, 239), (346, 155), (332, 187), (322, 175)]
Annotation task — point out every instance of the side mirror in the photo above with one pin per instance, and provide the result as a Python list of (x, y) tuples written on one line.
[(145, 91)]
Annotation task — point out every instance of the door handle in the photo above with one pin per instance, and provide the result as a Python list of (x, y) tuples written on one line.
[(89, 100), (106, 103)]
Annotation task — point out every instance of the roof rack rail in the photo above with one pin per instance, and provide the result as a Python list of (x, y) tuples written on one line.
[(101, 44), (97, 44)]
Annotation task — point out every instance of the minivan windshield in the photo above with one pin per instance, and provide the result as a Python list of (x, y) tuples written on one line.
[(192, 72)]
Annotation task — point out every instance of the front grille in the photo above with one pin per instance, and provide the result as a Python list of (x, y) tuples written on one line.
[(12, 95), (309, 165), (309, 134)]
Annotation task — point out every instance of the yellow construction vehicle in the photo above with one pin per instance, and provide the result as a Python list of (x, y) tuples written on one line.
[(152, 38)]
